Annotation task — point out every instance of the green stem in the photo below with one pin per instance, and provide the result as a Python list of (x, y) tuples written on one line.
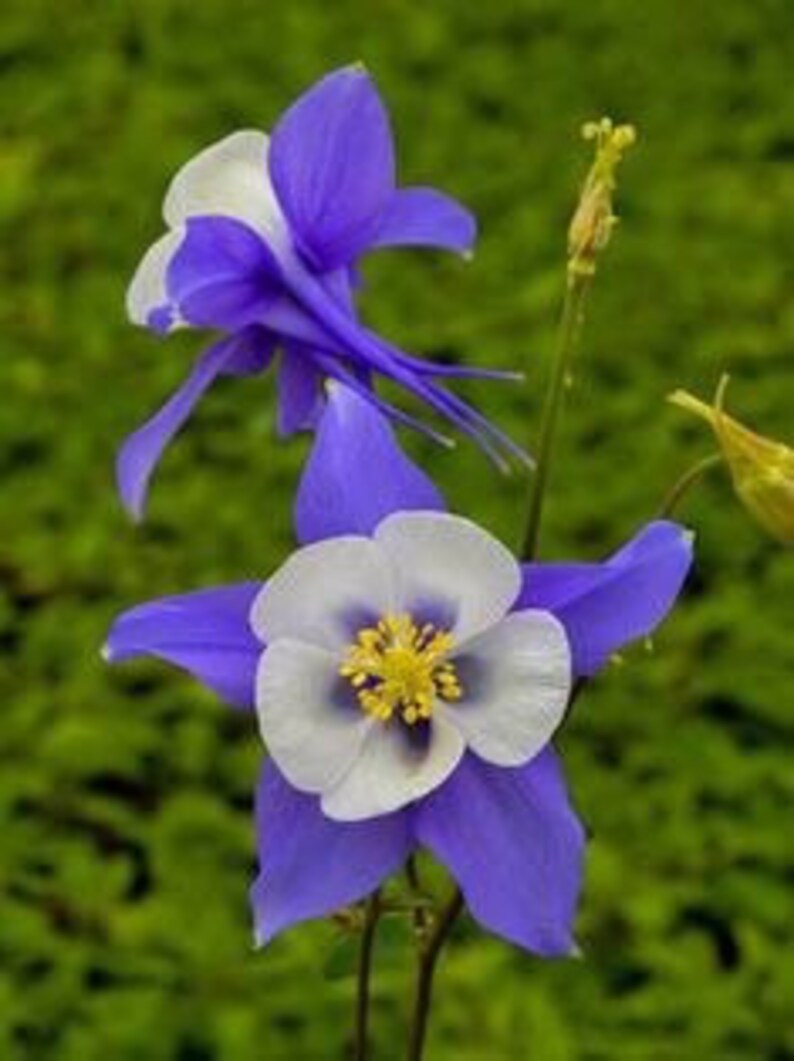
[(427, 967), (686, 482), (570, 326), (364, 971), (419, 915)]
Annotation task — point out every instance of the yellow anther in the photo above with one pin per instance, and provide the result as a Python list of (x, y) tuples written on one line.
[(399, 668)]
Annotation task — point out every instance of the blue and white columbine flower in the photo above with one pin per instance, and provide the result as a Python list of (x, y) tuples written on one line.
[(263, 238), (408, 675), (389, 656)]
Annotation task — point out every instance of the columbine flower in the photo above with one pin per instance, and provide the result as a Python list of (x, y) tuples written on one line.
[(388, 657), (761, 468), (263, 239), (408, 674)]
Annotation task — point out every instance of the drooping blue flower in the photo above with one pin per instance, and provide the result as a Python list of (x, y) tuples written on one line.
[(408, 676), (264, 235)]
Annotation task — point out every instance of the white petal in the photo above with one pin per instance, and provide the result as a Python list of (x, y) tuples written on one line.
[(230, 177), (312, 737), (516, 682), (448, 564), (325, 593), (147, 287), (391, 771)]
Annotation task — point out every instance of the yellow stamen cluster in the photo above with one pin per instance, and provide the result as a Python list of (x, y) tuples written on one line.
[(594, 219), (399, 667)]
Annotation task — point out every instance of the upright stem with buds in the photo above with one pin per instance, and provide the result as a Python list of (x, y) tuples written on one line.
[(590, 230)]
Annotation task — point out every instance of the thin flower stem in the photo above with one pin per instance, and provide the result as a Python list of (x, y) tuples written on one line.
[(364, 970), (427, 967), (570, 326), (686, 482), (419, 914)]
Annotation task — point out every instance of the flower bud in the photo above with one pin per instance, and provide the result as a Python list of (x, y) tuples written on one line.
[(762, 469), (593, 219)]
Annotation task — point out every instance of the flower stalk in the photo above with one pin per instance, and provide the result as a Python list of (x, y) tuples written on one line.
[(415, 884), (428, 960), (684, 484), (570, 327), (371, 917), (589, 232)]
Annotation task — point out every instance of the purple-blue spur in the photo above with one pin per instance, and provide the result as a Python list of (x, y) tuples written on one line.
[(408, 675), (263, 238)]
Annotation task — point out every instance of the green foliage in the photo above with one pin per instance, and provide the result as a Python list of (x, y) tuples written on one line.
[(125, 797)]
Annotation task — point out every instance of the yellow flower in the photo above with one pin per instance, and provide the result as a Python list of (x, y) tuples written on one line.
[(762, 469)]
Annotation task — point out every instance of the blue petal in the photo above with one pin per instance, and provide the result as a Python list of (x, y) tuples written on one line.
[(331, 161), (222, 275), (251, 352), (605, 606), (300, 398), (424, 217), (140, 453), (356, 473), (512, 841), (310, 865), (206, 633)]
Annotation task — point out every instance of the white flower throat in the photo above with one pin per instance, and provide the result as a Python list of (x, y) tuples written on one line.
[(399, 667)]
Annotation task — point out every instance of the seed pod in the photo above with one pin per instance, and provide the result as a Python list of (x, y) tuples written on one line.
[(762, 469)]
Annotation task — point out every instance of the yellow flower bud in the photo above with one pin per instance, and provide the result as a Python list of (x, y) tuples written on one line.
[(762, 469), (593, 220)]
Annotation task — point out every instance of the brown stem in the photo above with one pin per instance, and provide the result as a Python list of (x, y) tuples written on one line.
[(363, 980), (426, 971), (419, 914)]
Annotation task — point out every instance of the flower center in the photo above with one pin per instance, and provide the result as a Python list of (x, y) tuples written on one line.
[(400, 667)]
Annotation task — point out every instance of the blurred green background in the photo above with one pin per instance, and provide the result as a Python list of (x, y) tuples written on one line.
[(125, 832)]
